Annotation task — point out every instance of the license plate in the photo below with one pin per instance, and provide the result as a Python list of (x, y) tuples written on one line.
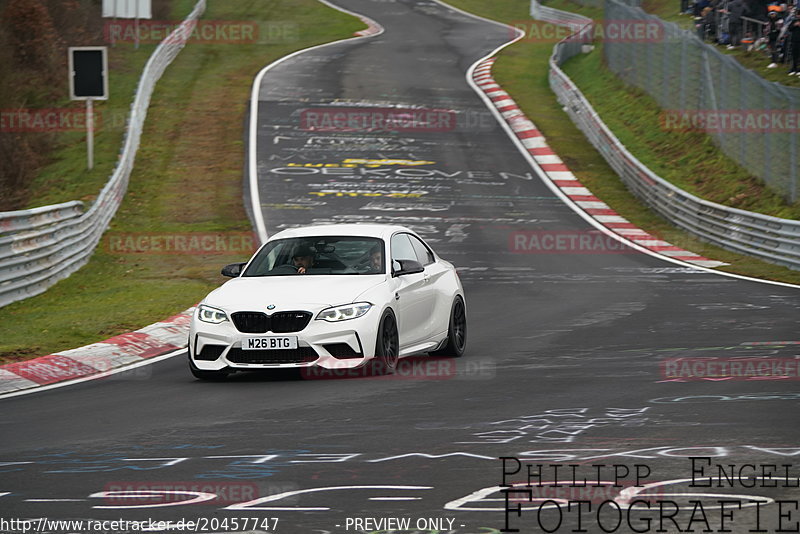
[(269, 343)]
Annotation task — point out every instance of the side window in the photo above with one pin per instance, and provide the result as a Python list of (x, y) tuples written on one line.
[(402, 249), (424, 256)]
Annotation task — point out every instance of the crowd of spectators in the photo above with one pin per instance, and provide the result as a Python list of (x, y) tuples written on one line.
[(762, 25)]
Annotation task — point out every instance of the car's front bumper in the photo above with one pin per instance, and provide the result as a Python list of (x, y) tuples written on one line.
[(330, 345)]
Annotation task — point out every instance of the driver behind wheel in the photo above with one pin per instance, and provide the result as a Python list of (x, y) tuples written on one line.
[(303, 258)]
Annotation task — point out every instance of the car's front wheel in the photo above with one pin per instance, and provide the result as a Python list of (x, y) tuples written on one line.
[(456, 331), (387, 346)]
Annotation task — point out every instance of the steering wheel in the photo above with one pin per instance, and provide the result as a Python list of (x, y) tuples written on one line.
[(286, 267)]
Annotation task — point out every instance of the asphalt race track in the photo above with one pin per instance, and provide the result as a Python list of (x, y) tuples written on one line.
[(569, 356)]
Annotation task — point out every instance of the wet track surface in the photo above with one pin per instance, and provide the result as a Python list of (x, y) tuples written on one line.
[(568, 359)]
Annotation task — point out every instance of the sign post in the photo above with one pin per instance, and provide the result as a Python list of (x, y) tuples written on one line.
[(89, 134), (129, 9), (88, 80)]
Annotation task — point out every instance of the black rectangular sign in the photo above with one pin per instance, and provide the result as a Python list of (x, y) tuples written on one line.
[(88, 73)]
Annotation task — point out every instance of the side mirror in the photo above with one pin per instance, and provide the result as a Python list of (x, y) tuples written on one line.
[(408, 267), (233, 270)]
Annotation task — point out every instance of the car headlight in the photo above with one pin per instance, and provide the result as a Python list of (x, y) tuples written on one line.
[(343, 313), (207, 314)]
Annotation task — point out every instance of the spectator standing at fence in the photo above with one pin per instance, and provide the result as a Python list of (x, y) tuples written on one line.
[(758, 9), (699, 11), (701, 24), (752, 10), (735, 12), (723, 28), (716, 19), (794, 45), (699, 7), (710, 23), (784, 38), (772, 30), (700, 27)]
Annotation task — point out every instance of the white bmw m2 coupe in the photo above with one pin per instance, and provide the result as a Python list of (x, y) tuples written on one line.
[(333, 296)]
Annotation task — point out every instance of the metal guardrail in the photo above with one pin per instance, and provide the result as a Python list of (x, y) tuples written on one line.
[(769, 238), (18, 221), (40, 246)]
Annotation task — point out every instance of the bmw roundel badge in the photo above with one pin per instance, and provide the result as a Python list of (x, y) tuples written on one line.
[(271, 307)]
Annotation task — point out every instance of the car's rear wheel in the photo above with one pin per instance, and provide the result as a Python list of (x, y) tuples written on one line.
[(202, 374), (456, 331), (387, 346)]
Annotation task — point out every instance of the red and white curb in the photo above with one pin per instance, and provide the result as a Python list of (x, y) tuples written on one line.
[(559, 174), (373, 28), (100, 358)]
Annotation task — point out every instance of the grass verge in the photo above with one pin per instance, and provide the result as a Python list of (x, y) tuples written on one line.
[(690, 160), (187, 180), (522, 71)]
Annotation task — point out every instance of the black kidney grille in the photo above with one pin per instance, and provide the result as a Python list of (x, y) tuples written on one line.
[(280, 323), (298, 355), (290, 321), (251, 322)]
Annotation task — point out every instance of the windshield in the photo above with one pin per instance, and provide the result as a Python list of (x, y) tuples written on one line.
[(331, 255)]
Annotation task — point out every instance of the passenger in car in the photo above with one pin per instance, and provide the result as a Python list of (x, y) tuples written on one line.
[(376, 259)]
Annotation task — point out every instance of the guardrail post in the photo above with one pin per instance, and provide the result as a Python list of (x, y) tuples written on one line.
[(682, 91), (793, 164), (742, 105)]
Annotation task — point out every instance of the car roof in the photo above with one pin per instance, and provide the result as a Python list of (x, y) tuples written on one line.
[(383, 231)]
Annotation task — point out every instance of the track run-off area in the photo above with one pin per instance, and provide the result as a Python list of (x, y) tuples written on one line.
[(594, 372)]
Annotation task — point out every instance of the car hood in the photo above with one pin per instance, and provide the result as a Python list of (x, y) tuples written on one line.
[(290, 292)]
